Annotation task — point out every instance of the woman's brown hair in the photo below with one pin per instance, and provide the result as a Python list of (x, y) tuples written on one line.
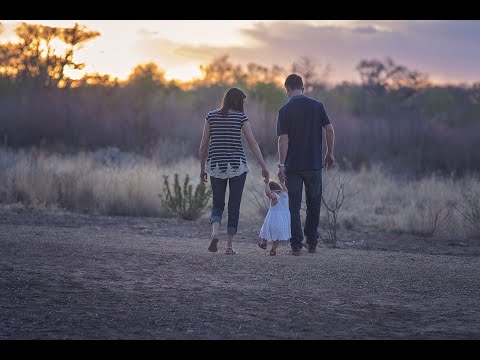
[(233, 100)]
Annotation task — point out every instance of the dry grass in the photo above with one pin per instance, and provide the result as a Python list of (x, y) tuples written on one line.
[(124, 184), (387, 204)]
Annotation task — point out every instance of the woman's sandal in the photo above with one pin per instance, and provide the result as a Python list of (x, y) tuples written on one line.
[(273, 253), (230, 251), (262, 245)]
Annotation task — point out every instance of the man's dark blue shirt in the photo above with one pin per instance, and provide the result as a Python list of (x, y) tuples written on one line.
[(302, 119)]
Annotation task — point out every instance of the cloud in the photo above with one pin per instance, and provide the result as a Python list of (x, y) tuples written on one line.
[(446, 49), (147, 32), (369, 29)]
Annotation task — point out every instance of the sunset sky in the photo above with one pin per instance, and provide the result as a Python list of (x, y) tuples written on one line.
[(448, 50)]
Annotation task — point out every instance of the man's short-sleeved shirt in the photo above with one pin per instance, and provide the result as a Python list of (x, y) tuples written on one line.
[(302, 119)]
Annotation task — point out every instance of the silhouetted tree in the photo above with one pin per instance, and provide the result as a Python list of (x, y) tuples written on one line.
[(35, 61), (378, 77), (277, 74), (258, 73), (222, 71), (373, 75), (306, 68), (147, 75), (475, 93), (95, 79)]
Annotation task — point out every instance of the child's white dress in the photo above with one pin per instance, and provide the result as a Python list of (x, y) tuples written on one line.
[(276, 225)]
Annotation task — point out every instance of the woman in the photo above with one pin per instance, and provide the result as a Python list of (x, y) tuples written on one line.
[(226, 162)]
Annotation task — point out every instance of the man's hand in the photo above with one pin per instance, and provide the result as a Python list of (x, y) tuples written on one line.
[(203, 175), (329, 161), (281, 174)]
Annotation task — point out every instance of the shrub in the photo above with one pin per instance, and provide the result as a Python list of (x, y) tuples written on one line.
[(470, 211), (186, 203), (333, 199)]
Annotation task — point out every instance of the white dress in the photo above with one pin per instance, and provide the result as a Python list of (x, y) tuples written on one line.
[(276, 225)]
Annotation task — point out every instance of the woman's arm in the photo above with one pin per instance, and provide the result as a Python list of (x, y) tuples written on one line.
[(247, 130), (202, 152)]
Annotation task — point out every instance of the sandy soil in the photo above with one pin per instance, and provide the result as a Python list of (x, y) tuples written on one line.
[(66, 276)]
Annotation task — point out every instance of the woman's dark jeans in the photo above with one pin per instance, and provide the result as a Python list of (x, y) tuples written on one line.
[(219, 187)]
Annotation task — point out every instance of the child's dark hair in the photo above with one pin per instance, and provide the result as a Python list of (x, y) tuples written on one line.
[(274, 186)]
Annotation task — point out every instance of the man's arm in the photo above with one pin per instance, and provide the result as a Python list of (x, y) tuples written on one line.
[(282, 148), (282, 154), (330, 139)]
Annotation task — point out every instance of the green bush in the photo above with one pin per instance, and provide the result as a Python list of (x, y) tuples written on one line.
[(186, 203)]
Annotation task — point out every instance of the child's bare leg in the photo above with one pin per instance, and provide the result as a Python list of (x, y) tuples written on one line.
[(275, 245), (273, 251)]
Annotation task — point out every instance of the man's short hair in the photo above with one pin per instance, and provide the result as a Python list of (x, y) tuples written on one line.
[(294, 82)]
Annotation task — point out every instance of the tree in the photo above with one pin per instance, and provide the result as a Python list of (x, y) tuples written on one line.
[(306, 68), (475, 93), (378, 78), (95, 79), (256, 73), (147, 75), (35, 60), (261, 74), (374, 76), (222, 71)]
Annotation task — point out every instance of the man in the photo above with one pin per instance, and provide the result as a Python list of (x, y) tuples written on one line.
[(299, 130)]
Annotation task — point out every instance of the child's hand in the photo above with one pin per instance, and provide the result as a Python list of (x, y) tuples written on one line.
[(266, 180)]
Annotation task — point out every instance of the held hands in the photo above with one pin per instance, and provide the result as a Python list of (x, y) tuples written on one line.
[(329, 161)]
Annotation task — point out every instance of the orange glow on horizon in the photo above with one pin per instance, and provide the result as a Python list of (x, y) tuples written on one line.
[(183, 73), (179, 47)]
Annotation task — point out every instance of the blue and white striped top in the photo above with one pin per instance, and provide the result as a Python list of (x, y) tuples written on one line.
[(226, 157)]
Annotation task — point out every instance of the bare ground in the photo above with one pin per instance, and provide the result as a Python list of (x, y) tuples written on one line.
[(66, 276)]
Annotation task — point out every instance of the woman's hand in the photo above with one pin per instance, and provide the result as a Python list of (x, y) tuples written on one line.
[(203, 175), (265, 174)]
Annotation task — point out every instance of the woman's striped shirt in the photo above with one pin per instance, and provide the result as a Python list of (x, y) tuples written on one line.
[(226, 157)]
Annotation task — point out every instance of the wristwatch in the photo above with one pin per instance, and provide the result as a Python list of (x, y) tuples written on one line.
[(280, 165)]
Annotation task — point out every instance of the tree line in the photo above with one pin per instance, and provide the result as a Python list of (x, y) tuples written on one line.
[(394, 115)]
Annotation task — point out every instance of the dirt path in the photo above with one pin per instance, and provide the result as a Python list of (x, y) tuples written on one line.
[(86, 277)]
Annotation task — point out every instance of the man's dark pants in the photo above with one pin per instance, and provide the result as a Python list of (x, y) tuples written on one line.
[(313, 191)]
